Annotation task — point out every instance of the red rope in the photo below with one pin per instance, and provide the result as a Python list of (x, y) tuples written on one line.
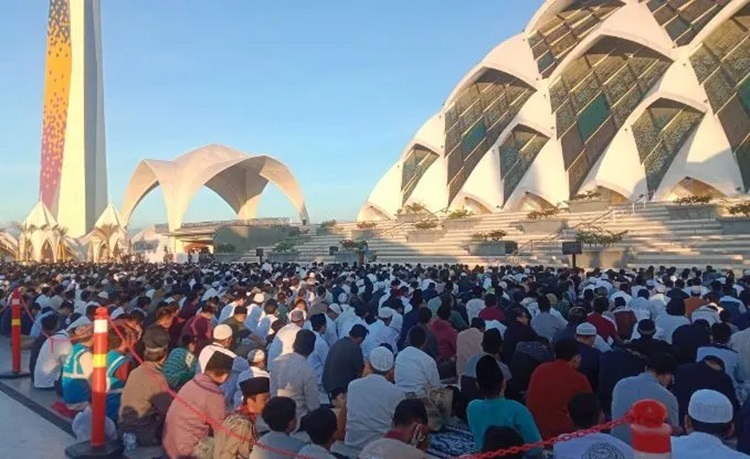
[(499, 453)]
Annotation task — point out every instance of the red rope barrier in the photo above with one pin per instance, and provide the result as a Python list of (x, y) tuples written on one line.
[(499, 453)]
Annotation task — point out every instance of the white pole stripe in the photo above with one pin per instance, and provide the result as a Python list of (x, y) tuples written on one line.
[(100, 326)]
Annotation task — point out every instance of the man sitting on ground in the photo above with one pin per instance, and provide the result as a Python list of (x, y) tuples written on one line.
[(280, 416), (409, 437), (321, 426)]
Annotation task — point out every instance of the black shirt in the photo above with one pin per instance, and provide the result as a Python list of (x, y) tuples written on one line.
[(343, 365), (687, 339)]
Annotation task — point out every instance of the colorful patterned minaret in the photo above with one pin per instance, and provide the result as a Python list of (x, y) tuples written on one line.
[(73, 176)]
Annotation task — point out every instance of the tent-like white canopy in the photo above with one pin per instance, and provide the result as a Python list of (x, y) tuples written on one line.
[(235, 176)]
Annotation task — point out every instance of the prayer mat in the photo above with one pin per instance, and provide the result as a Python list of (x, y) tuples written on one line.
[(454, 440)]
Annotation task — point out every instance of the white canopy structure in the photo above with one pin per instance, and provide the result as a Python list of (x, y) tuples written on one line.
[(235, 176)]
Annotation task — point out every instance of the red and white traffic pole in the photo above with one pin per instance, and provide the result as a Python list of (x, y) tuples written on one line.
[(98, 446), (15, 337), (650, 435), (99, 378)]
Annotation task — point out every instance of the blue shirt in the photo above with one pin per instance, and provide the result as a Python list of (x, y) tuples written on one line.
[(504, 413)]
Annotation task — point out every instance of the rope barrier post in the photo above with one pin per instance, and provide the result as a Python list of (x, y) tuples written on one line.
[(651, 436), (15, 338), (98, 447)]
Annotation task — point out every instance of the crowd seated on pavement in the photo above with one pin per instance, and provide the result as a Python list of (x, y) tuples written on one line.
[(379, 361)]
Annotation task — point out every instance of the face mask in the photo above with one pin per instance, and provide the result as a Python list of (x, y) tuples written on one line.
[(419, 435)]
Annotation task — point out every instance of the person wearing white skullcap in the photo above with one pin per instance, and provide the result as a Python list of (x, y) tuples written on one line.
[(222, 335), (708, 422), (372, 400), (381, 332)]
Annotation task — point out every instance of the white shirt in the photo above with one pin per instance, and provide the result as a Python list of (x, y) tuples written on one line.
[(36, 329), (706, 313), (331, 336), (315, 451), (669, 324), (227, 311), (415, 371), (254, 314), (51, 358), (699, 445), (380, 333), (317, 359), (489, 324), (371, 402), (206, 354), (264, 325), (282, 343), (593, 446), (347, 325), (473, 307)]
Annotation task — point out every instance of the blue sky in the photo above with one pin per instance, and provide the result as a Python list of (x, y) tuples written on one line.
[(332, 88)]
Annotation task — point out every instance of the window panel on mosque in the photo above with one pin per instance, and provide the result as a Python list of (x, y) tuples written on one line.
[(599, 140), (473, 137), (535, 146), (550, 25), (494, 132), (743, 17), (593, 116), (565, 44), (556, 34), (472, 114), (676, 27), (509, 155), (452, 138), (511, 181), (653, 5), (517, 94), (696, 9), (726, 37), (455, 161), (656, 166), (679, 130), (608, 67), (626, 105), (652, 75), (557, 95), (546, 61), (743, 92), (583, 27), (704, 63), (664, 14), (566, 116), (646, 136), (451, 117), (735, 121), (577, 174), (466, 98), (738, 61), (585, 92), (535, 38), (492, 94), (742, 154), (619, 85), (575, 72), (572, 146), (539, 49), (719, 89), (686, 37), (493, 113), (662, 112)]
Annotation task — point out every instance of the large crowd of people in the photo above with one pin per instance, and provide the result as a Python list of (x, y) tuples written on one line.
[(323, 361)]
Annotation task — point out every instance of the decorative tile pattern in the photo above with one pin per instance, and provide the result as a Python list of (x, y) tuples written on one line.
[(414, 166), (597, 102), (473, 124), (683, 19), (56, 90), (517, 153), (659, 133), (559, 35), (722, 65)]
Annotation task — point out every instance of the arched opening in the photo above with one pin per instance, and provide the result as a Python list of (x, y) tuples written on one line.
[(612, 196), (372, 213), (692, 187), (531, 201), (48, 256), (475, 206), (103, 252)]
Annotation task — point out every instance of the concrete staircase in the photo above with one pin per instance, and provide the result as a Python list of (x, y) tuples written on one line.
[(653, 237)]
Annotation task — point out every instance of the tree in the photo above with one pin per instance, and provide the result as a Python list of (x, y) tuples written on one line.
[(104, 235), (61, 249)]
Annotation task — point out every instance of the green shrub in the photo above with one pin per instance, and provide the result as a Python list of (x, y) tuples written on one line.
[(493, 236), (426, 224), (413, 208), (328, 224), (600, 238), (458, 214), (742, 208), (587, 196), (693, 200), (225, 248), (349, 245), (543, 214), (283, 247), (366, 225)]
